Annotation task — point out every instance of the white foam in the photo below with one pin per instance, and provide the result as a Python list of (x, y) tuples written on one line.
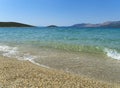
[(112, 53), (13, 52), (8, 51), (31, 59)]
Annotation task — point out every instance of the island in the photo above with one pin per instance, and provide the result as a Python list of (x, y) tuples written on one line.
[(52, 26), (14, 24)]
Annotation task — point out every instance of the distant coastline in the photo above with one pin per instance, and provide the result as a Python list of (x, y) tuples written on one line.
[(14, 24), (108, 24)]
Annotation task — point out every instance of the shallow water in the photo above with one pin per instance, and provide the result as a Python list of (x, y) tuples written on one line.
[(90, 52)]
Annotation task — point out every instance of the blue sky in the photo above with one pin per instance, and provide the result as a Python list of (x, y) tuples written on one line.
[(59, 12)]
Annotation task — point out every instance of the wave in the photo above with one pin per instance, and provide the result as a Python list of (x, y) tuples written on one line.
[(13, 52), (112, 53), (8, 51), (70, 47)]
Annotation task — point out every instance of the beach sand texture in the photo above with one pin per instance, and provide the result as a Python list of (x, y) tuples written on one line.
[(24, 74)]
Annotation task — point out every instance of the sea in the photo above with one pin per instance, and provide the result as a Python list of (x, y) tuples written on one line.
[(91, 52)]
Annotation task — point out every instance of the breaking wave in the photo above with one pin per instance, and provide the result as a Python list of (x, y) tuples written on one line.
[(112, 53), (13, 52)]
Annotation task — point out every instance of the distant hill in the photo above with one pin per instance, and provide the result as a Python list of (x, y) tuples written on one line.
[(52, 26), (109, 24), (14, 24)]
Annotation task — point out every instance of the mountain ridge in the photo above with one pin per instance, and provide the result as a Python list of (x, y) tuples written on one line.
[(114, 24)]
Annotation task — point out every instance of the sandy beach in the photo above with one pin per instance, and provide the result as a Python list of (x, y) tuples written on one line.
[(24, 74)]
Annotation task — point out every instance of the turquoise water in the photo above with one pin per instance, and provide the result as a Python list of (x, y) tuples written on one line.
[(91, 40), (94, 52)]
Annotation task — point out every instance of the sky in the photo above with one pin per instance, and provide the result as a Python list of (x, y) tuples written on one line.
[(59, 12)]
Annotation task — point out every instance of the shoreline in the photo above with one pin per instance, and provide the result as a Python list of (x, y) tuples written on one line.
[(17, 73)]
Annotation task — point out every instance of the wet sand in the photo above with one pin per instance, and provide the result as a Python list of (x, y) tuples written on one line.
[(97, 66), (24, 74)]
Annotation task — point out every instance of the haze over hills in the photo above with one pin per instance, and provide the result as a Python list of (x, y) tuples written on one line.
[(14, 24), (109, 24)]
